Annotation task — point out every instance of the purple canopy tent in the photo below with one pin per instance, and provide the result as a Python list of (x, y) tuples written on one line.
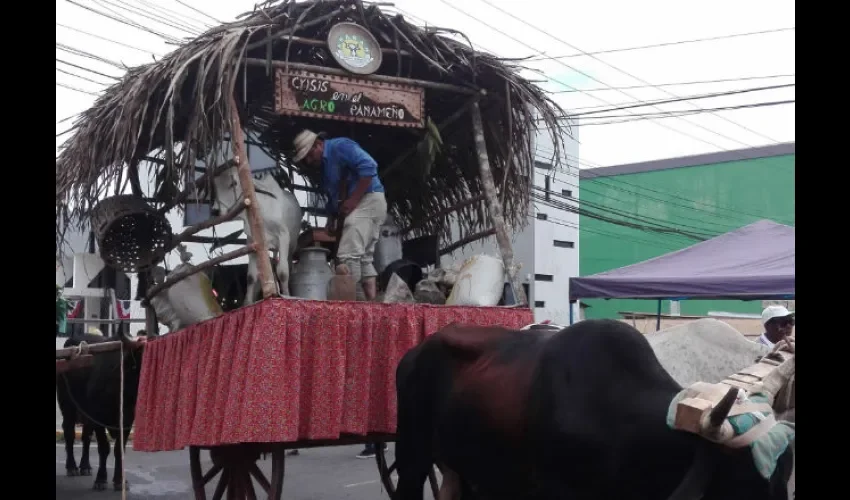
[(752, 262)]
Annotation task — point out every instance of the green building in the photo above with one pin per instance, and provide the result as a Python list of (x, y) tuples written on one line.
[(670, 204)]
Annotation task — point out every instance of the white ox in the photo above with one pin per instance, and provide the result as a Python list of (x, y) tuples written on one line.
[(709, 350), (281, 216)]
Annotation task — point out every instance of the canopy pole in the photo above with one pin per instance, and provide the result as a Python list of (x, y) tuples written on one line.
[(255, 221), (572, 305), (658, 320), (498, 220)]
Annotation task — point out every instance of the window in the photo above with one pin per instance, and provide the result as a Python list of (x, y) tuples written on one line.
[(542, 216), (566, 192), (547, 187), (543, 277), (564, 244), (539, 303)]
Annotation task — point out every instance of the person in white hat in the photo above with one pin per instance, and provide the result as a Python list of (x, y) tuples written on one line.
[(355, 196), (778, 323)]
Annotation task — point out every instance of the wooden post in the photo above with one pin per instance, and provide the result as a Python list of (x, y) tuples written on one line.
[(255, 221), (151, 323), (489, 185)]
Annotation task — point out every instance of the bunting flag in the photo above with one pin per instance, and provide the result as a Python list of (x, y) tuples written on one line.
[(75, 307), (122, 309)]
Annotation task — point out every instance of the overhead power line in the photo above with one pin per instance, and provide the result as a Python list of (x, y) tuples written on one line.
[(677, 84), (666, 44), (734, 213), (705, 141), (653, 103), (86, 69), (674, 114), (126, 45), (536, 28), (125, 21), (69, 73), (69, 87)]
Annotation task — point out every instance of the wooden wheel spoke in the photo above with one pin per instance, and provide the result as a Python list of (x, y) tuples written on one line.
[(278, 469), (222, 485), (258, 475), (250, 494), (216, 468), (237, 469), (386, 474), (435, 486)]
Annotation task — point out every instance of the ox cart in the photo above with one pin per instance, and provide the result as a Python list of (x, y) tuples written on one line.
[(285, 373)]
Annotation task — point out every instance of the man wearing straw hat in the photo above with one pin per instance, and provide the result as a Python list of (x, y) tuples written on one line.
[(355, 198)]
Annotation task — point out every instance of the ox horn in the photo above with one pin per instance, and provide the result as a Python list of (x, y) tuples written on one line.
[(721, 411)]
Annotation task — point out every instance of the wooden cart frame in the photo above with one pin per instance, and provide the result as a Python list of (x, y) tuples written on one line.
[(512, 101)]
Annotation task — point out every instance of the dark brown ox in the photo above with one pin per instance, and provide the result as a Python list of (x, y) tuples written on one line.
[(577, 413)]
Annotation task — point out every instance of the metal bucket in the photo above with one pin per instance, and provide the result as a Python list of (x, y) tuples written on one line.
[(388, 247), (131, 235), (311, 275)]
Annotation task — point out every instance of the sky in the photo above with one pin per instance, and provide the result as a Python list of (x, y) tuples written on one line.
[(542, 28)]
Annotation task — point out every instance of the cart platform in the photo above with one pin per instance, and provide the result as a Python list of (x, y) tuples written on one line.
[(287, 371)]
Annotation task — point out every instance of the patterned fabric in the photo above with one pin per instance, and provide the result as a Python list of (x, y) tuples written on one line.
[(767, 449), (287, 370)]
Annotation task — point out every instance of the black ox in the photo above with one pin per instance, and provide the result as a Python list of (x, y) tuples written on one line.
[(573, 414), (92, 396)]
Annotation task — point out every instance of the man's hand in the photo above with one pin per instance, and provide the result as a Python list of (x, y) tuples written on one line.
[(347, 207)]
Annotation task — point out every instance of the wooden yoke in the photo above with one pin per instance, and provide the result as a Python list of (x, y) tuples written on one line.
[(703, 397), (255, 221)]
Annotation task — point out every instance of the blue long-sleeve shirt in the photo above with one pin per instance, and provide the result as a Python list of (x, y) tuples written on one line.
[(344, 158)]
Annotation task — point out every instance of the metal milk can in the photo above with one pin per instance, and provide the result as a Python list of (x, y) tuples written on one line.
[(310, 276), (388, 247)]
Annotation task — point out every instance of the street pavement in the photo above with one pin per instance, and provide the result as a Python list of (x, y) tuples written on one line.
[(331, 473)]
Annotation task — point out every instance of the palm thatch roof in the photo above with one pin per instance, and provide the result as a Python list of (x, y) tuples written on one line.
[(177, 108)]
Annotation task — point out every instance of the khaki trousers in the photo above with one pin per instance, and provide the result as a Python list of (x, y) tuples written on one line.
[(360, 233)]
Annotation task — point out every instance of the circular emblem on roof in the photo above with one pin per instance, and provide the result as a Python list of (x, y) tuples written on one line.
[(354, 48)]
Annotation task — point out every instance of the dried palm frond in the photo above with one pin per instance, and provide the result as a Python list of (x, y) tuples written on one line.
[(178, 109)]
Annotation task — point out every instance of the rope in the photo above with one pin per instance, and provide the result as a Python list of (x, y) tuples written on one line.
[(81, 349), (121, 431)]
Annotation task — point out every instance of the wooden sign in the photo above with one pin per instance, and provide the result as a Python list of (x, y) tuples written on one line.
[(316, 95)]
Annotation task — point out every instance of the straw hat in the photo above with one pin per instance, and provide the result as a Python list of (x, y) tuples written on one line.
[(302, 144)]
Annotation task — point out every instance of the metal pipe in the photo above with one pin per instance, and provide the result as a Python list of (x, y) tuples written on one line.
[(658, 321)]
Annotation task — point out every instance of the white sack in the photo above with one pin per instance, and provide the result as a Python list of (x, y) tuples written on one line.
[(480, 282)]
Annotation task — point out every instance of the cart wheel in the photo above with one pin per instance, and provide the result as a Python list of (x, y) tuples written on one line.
[(235, 466), (389, 475)]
